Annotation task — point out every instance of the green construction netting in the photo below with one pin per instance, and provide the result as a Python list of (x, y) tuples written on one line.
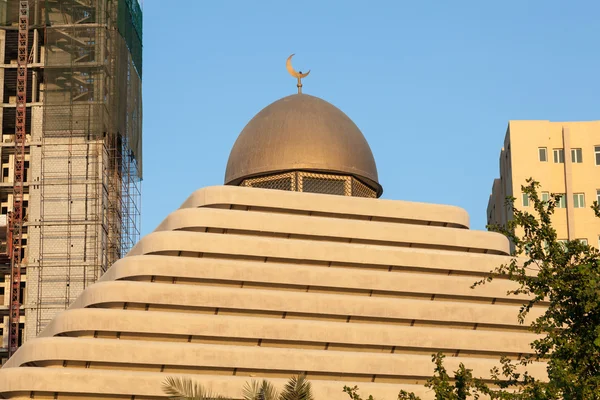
[(129, 25)]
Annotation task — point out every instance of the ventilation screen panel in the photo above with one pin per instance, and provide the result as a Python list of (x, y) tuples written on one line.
[(359, 189), (324, 185), (302, 181), (280, 184), (277, 182)]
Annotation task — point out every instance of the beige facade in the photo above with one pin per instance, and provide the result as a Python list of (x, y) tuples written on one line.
[(244, 283), (565, 158)]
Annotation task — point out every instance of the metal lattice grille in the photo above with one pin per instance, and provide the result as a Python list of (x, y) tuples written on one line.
[(277, 182), (310, 182), (359, 189), (281, 184), (326, 184)]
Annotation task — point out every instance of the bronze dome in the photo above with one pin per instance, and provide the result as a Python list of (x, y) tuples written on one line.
[(301, 132)]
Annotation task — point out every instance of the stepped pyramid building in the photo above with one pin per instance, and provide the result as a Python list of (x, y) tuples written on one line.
[(318, 277)]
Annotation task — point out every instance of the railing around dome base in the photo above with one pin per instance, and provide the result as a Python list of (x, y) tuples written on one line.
[(310, 182)]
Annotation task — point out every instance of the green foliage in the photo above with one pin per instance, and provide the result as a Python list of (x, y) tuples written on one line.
[(596, 208), (353, 393), (462, 385), (404, 395), (263, 390), (186, 389), (296, 388), (566, 276)]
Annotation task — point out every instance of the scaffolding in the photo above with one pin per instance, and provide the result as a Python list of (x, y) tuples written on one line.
[(89, 173), (84, 150)]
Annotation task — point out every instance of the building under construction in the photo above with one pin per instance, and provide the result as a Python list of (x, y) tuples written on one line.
[(71, 152)]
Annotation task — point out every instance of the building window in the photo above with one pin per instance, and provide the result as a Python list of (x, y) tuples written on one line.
[(578, 200), (525, 200), (598, 195), (562, 201), (545, 196), (563, 243), (559, 155), (597, 152), (576, 156), (543, 154), (584, 241)]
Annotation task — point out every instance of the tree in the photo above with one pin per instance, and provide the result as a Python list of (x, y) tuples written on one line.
[(296, 388), (567, 277)]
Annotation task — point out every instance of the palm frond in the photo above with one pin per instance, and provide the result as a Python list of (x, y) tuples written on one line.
[(263, 390), (186, 389), (297, 388)]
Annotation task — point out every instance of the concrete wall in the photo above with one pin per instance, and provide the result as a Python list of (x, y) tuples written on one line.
[(245, 283), (66, 230)]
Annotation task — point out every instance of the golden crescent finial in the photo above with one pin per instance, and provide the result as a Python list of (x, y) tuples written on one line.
[(298, 75)]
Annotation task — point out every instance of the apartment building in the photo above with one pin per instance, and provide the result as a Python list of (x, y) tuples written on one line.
[(565, 158)]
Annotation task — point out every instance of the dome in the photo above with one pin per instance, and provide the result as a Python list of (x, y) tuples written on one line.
[(301, 133)]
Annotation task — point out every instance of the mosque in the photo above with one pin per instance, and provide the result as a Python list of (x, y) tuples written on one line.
[(293, 266)]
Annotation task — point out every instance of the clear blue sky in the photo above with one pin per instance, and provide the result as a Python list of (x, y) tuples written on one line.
[(431, 84)]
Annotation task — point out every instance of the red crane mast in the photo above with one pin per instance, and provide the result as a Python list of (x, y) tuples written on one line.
[(16, 217)]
